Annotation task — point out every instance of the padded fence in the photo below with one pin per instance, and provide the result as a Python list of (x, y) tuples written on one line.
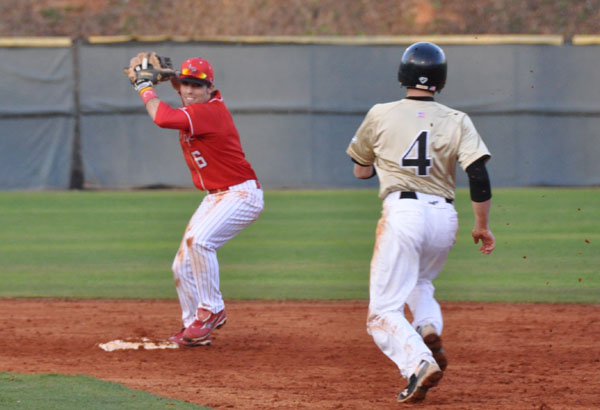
[(70, 119)]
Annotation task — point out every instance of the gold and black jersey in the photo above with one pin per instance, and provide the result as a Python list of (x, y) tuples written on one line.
[(415, 145)]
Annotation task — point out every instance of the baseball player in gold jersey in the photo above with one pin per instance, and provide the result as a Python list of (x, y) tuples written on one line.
[(413, 146)]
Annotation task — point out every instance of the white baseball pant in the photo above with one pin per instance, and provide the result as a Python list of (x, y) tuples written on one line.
[(219, 218), (412, 243)]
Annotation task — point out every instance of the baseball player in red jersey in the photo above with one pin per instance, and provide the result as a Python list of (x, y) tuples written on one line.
[(414, 144), (213, 152)]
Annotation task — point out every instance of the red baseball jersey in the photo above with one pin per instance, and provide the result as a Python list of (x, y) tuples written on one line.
[(210, 143)]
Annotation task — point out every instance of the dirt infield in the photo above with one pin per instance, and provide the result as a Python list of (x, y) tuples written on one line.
[(314, 355)]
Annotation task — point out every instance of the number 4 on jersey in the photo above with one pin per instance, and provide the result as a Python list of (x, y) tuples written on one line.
[(417, 156)]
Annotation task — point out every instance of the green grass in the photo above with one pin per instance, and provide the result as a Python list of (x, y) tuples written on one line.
[(306, 245), (547, 250), (54, 391)]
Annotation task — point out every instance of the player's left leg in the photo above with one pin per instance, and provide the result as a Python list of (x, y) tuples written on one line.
[(394, 273)]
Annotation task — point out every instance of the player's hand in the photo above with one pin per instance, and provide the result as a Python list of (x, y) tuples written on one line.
[(488, 242), (141, 85), (149, 67)]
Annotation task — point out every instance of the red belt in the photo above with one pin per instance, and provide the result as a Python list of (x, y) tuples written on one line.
[(218, 190)]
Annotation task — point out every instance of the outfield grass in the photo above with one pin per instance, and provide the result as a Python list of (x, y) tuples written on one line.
[(547, 250), (59, 392), (305, 245)]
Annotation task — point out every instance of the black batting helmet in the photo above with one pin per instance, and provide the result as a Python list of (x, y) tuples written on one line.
[(423, 66)]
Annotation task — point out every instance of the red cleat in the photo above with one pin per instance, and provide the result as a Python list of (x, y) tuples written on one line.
[(203, 326), (178, 338)]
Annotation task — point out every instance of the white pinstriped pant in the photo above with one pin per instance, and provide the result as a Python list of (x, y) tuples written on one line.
[(196, 268), (414, 237)]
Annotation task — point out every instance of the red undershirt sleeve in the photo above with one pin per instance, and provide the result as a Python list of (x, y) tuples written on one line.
[(168, 117)]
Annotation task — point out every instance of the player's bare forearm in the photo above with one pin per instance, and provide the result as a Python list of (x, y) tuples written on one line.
[(152, 107), (481, 231)]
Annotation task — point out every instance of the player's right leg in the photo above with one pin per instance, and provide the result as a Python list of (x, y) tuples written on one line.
[(185, 284), (442, 225)]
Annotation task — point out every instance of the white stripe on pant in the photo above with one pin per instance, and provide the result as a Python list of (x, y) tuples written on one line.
[(219, 218)]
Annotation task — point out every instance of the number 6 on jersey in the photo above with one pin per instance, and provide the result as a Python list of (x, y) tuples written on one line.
[(199, 159), (417, 155)]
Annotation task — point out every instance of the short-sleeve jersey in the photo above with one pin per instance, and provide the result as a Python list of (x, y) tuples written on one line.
[(212, 147), (415, 145)]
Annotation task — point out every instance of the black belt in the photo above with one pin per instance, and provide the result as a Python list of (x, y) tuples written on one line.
[(413, 195)]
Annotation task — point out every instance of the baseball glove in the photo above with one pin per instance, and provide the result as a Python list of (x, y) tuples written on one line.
[(149, 67)]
